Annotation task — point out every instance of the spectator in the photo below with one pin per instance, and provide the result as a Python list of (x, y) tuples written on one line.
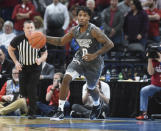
[(41, 5), (113, 22), (158, 3), (1, 25), (5, 67), (95, 16), (153, 68), (52, 96), (17, 107), (9, 96), (56, 20), (124, 6), (85, 109), (7, 35), (136, 24), (73, 11), (76, 2), (38, 22), (11, 88), (21, 13), (154, 16), (102, 4)]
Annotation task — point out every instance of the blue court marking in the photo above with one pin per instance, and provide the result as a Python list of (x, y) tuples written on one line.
[(104, 125)]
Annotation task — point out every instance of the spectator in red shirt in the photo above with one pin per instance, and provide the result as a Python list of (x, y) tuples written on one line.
[(154, 69), (52, 96), (21, 13), (154, 16)]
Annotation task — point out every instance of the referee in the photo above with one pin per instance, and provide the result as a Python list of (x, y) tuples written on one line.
[(29, 65)]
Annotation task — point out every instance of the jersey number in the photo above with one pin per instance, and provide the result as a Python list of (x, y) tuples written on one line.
[(85, 51)]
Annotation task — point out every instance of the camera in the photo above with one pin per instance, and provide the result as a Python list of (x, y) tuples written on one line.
[(152, 51)]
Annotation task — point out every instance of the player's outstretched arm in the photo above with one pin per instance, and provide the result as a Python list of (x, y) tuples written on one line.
[(102, 39), (60, 41)]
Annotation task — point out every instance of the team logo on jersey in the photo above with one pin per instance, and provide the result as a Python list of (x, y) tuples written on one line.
[(84, 42)]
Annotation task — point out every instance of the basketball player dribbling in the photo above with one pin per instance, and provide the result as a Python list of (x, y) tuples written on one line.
[(87, 60), (28, 65)]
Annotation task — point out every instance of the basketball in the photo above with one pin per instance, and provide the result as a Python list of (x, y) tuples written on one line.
[(37, 40)]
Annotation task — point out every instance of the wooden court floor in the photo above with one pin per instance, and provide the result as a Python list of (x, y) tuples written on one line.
[(10, 123)]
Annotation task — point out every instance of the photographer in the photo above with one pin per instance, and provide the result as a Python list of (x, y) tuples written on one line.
[(52, 96), (6, 66), (154, 69)]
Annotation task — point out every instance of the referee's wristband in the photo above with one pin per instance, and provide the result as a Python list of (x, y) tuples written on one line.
[(52, 89)]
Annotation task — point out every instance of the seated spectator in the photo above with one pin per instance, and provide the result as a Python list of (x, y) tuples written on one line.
[(52, 97), (47, 71), (1, 25), (21, 13), (85, 109), (136, 24), (154, 16), (5, 67), (7, 35), (10, 93), (18, 107), (154, 69)]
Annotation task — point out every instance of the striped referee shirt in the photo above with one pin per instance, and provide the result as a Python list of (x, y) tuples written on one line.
[(27, 54)]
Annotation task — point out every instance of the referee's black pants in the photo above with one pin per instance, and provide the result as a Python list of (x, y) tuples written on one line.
[(29, 78)]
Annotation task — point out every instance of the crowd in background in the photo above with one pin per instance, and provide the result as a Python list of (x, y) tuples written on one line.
[(131, 24)]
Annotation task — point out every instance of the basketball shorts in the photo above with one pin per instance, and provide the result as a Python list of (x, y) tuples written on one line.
[(91, 70)]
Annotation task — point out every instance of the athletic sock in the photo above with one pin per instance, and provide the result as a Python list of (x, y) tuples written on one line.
[(61, 104)]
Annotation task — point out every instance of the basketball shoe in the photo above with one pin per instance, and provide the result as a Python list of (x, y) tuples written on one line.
[(96, 111), (142, 117), (59, 115)]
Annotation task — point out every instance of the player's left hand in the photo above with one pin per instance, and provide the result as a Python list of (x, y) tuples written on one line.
[(89, 57)]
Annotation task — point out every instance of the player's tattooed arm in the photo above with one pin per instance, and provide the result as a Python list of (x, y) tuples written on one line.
[(60, 41), (102, 39)]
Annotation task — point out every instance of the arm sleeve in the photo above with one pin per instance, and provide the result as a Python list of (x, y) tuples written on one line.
[(15, 42)]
